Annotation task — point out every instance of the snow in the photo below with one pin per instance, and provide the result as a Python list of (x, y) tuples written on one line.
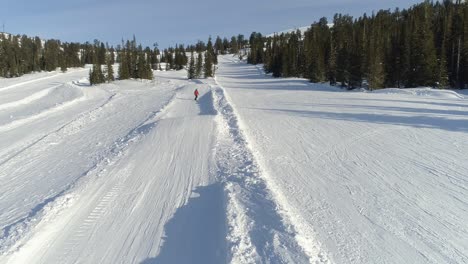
[(380, 177), (258, 170), (301, 29), (291, 30), (427, 92)]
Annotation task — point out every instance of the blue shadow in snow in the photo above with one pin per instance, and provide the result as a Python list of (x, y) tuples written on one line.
[(436, 102), (418, 121), (245, 76), (197, 81), (78, 83), (197, 232), (410, 110), (205, 102)]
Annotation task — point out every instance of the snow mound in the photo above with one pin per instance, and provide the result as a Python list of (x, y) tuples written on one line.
[(82, 82), (38, 105), (428, 92)]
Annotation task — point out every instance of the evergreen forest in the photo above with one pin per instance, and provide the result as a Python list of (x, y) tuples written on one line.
[(425, 45)]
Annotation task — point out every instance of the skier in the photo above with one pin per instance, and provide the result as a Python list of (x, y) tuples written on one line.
[(196, 94)]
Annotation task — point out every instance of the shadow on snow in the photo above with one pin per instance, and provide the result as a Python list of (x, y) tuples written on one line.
[(197, 232), (206, 104), (418, 121)]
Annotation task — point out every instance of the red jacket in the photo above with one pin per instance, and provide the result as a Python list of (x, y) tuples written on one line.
[(196, 92)]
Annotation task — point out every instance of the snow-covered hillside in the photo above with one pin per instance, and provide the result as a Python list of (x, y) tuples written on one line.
[(258, 170), (301, 29)]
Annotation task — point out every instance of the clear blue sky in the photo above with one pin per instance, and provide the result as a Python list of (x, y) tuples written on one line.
[(171, 22)]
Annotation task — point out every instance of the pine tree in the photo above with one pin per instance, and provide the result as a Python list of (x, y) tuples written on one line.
[(464, 67), (124, 70), (3, 55), (211, 50), (268, 60), (234, 46), (292, 51), (219, 48), (51, 55), (226, 45), (331, 63), (442, 28), (91, 77), (149, 70), (12, 62), (142, 72), (315, 48), (112, 55), (209, 59), (63, 64), (442, 75), (37, 50), (423, 57), (191, 67), (255, 55), (109, 69), (376, 73), (96, 76), (208, 65), (405, 55), (199, 65), (101, 53)]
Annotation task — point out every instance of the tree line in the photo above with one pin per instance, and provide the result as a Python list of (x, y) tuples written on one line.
[(22, 54), (203, 64), (425, 45), (134, 62)]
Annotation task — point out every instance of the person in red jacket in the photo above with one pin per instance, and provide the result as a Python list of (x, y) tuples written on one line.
[(196, 94)]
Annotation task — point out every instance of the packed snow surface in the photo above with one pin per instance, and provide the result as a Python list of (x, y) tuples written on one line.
[(258, 170)]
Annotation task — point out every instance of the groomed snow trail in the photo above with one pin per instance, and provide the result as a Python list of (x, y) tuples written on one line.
[(173, 176), (259, 170), (375, 177), (260, 230), (127, 199)]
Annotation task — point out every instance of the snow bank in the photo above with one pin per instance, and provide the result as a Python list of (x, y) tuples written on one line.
[(423, 92)]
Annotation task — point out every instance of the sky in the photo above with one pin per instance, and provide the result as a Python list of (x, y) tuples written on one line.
[(172, 22)]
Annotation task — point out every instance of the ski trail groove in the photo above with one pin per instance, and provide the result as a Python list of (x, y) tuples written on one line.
[(260, 231), (13, 235), (72, 125), (29, 99), (87, 227), (57, 108), (36, 80)]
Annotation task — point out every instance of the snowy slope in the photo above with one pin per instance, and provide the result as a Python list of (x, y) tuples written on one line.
[(128, 203), (301, 29), (259, 170), (380, 177), (46, 150)]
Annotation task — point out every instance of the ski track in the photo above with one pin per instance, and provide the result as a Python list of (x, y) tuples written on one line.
[(258, 232), (29, 99), (68, 127), (14, 235), (26, 82), (60, 107), (26, 223), (8, 87), (262, 227), (85, 229), (195, 182), (376, 176), (103, 197)]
